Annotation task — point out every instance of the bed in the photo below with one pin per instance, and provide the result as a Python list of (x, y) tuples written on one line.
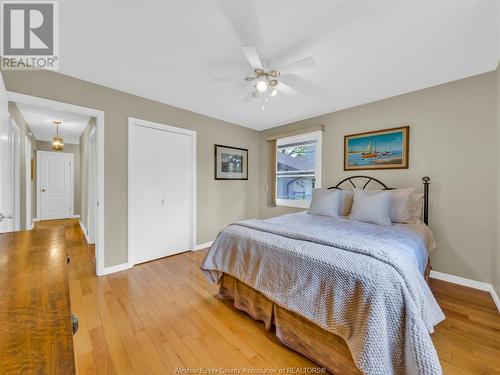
[(333, 286)]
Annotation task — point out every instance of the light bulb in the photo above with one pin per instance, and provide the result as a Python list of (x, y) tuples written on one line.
[(261, 86), (274, 92), (263, 107), (267, 100)]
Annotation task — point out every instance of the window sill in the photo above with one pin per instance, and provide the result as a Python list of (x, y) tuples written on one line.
[(293, 203)]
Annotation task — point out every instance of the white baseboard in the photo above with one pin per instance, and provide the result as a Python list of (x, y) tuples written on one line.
[(460, 281), (75, 216), (113, 269), (494, 295), (469, 283), (202, 246), (84, 230)]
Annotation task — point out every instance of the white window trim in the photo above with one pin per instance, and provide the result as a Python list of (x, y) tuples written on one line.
[(316, 135)]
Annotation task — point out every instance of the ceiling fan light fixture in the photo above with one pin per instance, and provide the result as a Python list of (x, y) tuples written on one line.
[(274, 92), (261, 86)]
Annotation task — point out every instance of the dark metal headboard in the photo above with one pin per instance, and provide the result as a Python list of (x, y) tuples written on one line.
[(352, 180)]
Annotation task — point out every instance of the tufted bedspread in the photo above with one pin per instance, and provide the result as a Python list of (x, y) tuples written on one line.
[(362, 282)]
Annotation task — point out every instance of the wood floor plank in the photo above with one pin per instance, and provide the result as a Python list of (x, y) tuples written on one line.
[(164, 315)]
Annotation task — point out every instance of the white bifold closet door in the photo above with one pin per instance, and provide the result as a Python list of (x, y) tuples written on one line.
[(161, 198)]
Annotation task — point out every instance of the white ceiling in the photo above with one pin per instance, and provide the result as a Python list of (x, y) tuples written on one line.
[(40, 121), (364, 50)]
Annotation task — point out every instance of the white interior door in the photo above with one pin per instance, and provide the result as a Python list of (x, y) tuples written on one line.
[(178, 154), (29, 183), (92, 202), (147, 187), (15, 171), (6, 183), (55, 185), (161, 193)]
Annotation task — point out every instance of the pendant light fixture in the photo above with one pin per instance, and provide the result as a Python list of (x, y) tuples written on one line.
[(57, 142)]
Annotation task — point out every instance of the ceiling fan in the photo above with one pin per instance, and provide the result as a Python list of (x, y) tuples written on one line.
[(268, 83)]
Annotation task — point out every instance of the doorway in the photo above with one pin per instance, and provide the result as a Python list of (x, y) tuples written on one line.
[(29, 100), (162, 190)]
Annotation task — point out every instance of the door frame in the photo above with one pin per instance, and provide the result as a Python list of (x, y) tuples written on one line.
[(154, 125), (91, 192), (39, 155), (28, 155), (101, 204), (16, 174)]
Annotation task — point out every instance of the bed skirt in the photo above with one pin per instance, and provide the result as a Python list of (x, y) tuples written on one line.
[(322, 347)]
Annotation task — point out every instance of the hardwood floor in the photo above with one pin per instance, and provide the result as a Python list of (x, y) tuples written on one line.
[(163, 315)]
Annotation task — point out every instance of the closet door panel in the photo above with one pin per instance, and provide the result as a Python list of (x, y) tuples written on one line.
[(178, 191), (148, 194)]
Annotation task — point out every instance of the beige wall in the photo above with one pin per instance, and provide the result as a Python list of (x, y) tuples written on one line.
[(70, 149), (218, 202), (451, 141), (25, 131), (451, 128), (496, 222), (84, 171)]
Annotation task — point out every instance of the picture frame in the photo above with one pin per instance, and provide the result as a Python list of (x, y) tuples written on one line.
[(33, 169), (231, 163), (379, 149)]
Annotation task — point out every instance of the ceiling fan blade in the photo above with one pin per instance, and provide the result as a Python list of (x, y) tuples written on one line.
[(251, 96), (243, 19), (301, 64), (252, 57), (228, 79), (287, 90)]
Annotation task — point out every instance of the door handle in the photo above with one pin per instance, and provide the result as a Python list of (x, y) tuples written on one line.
[(43, 190), (74, 323)]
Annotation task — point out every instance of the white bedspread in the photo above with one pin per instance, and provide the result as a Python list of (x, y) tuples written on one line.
[(360, 281)]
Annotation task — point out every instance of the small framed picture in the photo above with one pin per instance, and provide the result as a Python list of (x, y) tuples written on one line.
[(381, 149), (231, 163)]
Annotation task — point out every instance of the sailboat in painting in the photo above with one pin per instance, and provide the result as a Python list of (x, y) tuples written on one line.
[(370, 153)]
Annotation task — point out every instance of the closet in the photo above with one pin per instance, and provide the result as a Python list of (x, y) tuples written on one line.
[(161, 186)]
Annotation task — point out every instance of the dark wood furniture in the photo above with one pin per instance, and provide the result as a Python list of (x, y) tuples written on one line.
[(35, 318)]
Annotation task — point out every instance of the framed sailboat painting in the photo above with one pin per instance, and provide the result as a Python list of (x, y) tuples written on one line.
[(381, 149)]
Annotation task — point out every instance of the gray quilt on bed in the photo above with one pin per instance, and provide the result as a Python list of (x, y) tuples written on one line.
[(359, 281)]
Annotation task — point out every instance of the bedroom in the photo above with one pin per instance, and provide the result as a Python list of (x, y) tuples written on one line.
[(374, 67)]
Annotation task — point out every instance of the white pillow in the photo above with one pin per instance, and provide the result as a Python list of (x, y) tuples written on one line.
[(372, 207), (401, 208), (401, 204), (325, 202), (346, 202), (417, 201)]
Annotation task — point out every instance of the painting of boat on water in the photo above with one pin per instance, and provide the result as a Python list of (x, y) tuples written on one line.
[(381, 149)]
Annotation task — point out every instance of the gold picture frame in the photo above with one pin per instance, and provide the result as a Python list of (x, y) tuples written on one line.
[(380, 149), (33, 169)]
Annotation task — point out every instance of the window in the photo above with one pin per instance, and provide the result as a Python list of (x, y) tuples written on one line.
[(298, 169)]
